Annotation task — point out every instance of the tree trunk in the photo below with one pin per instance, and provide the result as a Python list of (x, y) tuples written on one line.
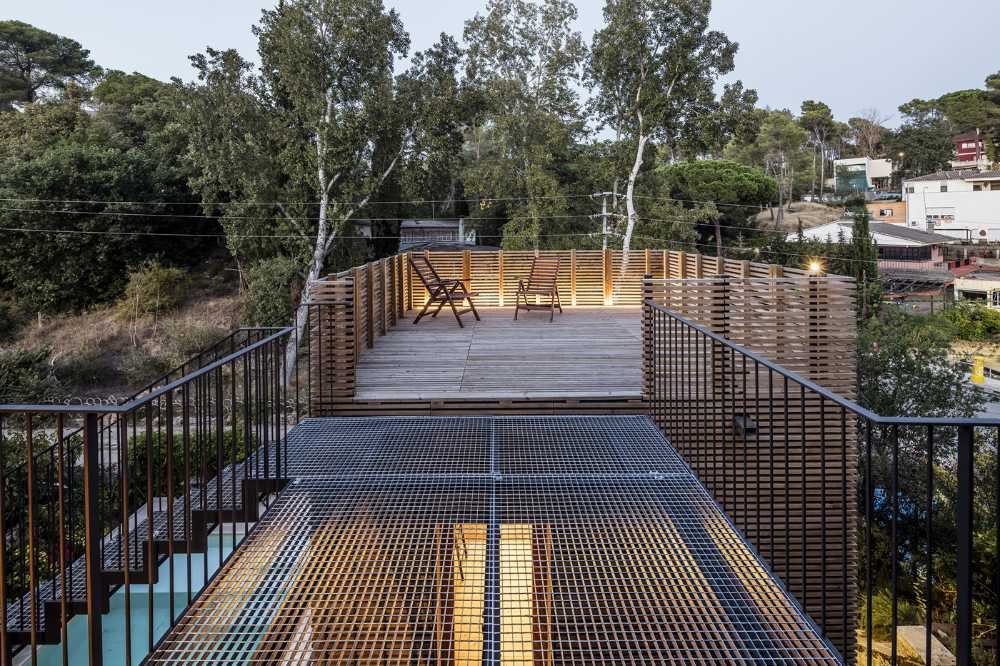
[(822, 170), (718, 238), (813, 190), (630, 201)]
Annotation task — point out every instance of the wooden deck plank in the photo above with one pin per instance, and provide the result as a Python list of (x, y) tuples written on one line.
[(587, 351)]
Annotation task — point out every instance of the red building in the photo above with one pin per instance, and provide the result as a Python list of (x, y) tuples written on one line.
[(969, 148)]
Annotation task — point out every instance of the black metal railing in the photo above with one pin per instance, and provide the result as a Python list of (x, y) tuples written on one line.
[(99, 501), (884, 523)]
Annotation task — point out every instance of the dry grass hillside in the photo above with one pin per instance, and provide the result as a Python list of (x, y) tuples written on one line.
[(109, 352), (809, 214)]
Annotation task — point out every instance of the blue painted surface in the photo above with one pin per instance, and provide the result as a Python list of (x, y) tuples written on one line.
[(139, 599)]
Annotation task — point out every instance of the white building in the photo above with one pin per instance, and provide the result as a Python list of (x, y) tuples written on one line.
[(899, 247), (961, 204), (862, 174)]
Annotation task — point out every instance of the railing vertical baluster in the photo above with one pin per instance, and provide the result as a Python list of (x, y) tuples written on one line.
[(186, 444), (61, 499), (219, 467), (893, 536), (122, 427), (803, 507), (822, 510), (996, 550), (788, 486), (91, 516), (770, 459), (869, 574), (965, 524), (849, 640), (234, 433), (33, 600), (5, 648), (150, 498), (169, 448), (200, 418), (929, 584)]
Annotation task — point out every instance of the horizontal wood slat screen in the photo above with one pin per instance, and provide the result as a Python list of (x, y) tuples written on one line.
[(800, 445)]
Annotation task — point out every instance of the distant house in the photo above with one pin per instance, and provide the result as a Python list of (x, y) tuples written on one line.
[(899, 247), (858, 175), (970, 151), (981, 287), (891, 212), (427, 232), (964, 204)]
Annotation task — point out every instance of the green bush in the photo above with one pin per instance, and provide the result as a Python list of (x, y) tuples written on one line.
[(270, 287), (86, 368), (972, 321), (11, 321), (139, 367), (153, 289), (186, 339), (26, 375), (198, 452)]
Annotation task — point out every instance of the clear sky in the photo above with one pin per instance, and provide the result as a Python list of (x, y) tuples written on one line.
[(852, 54)]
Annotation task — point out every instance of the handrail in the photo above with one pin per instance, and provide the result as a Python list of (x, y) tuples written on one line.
[(134, 403), (826, 393)]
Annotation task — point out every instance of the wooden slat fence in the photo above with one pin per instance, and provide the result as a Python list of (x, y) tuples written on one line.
[(790, 486)]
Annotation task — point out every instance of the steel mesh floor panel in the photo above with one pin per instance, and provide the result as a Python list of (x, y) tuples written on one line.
[(507, 540)]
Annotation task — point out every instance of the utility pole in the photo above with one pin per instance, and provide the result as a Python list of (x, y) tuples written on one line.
[(603, 215)]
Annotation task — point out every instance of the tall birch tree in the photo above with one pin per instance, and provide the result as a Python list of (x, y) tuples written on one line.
[(654, 66), (300, 144)]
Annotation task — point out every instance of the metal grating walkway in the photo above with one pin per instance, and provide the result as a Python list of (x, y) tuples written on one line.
[(514, 540)]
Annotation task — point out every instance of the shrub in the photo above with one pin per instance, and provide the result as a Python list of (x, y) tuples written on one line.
[(86, 367), (153, 289), (270, 286), (971, 321), (26, 376), (186, 339), (198, 452), (139, 367), (11, 322)]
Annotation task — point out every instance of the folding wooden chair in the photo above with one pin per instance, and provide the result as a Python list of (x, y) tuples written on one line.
[(542, 282), (441, 292)]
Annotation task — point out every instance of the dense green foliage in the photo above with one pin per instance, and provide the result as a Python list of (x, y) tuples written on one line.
[(33, 61), (153, 289), (738, 192), (271, 289), (27, 376), (972, 321), (66, 166)]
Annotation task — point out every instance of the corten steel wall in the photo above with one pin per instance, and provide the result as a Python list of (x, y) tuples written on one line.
[(383, 291), (781, 461)]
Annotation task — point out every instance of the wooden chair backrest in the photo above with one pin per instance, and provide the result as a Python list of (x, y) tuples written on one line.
[(425, 271), (544, 273)]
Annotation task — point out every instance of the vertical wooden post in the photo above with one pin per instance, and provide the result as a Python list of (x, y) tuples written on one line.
[(572, 277), (647, 255), (500, 277), (699, 267), (358, 273), (369, 306), (409, 281), (744, 269), (467, 269), (607, 265), (682, 265), (666, 264)]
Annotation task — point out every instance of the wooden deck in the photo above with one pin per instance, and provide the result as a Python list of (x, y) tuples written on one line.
[(587, 352)]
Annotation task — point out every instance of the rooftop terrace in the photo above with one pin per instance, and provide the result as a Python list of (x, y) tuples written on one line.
[(723, 501)]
